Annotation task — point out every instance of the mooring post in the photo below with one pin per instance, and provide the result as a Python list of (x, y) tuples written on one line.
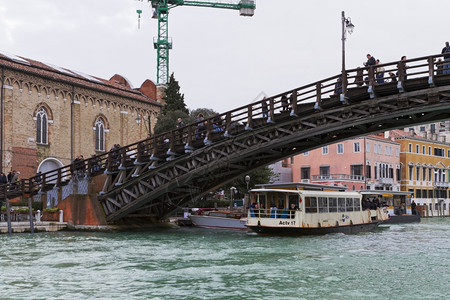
[(8, 215), (30, 210)]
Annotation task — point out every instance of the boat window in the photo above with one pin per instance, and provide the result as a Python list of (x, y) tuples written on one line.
[(341, 204), (356, 204), (349, 204), (281, 201), (323, 204), (310, 204), (262, 199), (294, 199), (332, 204)]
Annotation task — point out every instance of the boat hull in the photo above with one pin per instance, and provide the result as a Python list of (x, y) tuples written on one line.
[(218, 222), (402, 219), (304, 231)]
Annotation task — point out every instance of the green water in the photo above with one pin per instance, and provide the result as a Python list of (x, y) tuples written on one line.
[(410, 261)]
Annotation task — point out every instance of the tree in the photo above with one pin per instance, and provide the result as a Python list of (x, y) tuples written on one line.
[(259, 176), (168, 121), (206, 112), (173, 98)]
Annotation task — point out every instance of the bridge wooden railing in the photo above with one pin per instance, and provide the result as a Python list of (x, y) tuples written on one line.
[(359, 83)]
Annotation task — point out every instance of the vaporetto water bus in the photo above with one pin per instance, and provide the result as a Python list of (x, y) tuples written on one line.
[(278, 211)]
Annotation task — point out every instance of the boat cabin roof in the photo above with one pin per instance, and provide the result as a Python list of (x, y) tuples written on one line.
[(386, 193), (301, 186), (308, 192)]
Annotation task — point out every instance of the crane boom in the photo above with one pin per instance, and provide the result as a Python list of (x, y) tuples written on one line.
[(163, 43)]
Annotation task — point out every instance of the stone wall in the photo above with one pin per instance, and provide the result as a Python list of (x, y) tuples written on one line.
[(72, 112)]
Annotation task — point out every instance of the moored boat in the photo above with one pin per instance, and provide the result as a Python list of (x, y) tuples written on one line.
[(304, 212), (399, 205), (219, 219)]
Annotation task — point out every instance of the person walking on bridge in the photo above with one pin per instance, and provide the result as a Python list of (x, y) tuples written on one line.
[(446, 52)]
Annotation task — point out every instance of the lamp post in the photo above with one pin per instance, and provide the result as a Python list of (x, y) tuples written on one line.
[(347, 26), (244, 205), (231, 196)]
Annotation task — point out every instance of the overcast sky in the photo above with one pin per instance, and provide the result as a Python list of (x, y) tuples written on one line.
[(222, 60)]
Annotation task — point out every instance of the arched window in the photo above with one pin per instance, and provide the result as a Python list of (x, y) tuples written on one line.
[(99, 135), (42, 126)]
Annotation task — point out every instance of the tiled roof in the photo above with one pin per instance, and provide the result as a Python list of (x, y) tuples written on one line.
[(72, 77), (380, 137)]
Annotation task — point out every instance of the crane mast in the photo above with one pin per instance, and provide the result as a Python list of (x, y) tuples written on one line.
[(162, 43)]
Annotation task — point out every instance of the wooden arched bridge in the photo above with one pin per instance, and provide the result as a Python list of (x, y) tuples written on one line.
[(153, 177)]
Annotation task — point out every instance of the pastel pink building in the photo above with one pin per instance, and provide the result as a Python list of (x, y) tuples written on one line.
[(370, 162)]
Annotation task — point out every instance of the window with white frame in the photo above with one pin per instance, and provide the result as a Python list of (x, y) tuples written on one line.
[(340, 148), (379, 148), (100, 135), (397, 152), (417, 148), (367, 147), (409, 148), (356, 147), (42, 126), (375, 148), (325, 150)]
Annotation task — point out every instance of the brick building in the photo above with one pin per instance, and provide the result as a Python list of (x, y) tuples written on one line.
[(49, 114)]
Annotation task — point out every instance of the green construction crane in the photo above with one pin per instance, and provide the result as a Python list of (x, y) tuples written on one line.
[(163, 43)]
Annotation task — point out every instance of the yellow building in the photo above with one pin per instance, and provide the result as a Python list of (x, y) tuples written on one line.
[(425, 163)]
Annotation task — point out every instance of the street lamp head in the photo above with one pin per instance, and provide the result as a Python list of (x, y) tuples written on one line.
[(138, 119), (247, 178), (349, 25)]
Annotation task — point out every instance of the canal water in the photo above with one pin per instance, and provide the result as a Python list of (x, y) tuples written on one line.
[(409, 261)]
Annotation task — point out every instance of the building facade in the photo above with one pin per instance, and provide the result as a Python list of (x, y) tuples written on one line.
[(426, 167), (371, 162), (49, 115)]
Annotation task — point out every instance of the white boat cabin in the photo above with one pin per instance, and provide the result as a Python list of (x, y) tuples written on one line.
[(310, 209)]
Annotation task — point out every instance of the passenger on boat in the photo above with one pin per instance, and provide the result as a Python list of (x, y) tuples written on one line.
[(413, 207), (293, 208)]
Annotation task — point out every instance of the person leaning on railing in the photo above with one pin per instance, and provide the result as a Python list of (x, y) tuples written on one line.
[(446, 52), (3, 179)]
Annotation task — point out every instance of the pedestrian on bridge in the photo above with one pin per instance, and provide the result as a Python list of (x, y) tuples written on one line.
[(180, 123), (284, 103), (359, 80), (3, 179), (380, 73), (264, 108), (370, 61), (401, 64), (446, 52)]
